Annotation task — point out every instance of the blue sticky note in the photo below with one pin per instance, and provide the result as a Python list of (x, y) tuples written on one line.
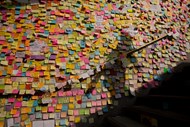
[(53, 22), (51, 49), (35, 103), (2, 55), (77, 66), (25, 98), (46, 32), (18, 7), (63, 67), (107, 84), (71, 52), (89, 95), (97, 52), (82, 44), (84, 98), (105, 109), (17, 12), (133, 60), (32, 111), (68, 31), (115, 34), (4, 73), (43, 89), (23, 74), (38, 115), (64, 108), (83, 105), (62, 122), (91, 56), (93, 98)]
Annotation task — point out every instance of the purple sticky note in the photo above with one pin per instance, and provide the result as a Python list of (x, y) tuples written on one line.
[(38, 57), (9, 107), (52, 57)]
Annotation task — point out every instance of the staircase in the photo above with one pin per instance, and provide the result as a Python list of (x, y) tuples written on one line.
[(165, 106)]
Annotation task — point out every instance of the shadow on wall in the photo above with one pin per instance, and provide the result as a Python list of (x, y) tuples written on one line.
[(112, 79), (8, 4)]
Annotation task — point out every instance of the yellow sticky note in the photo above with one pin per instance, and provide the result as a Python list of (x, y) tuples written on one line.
[(71, 106), (70, 112), (77, 119)]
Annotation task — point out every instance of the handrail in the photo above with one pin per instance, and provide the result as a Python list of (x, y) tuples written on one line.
[(144, 46)]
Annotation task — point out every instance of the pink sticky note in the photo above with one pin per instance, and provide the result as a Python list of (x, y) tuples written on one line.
[(29, 79), (99, 108), (54, 100), (76, 112), (11, 99), (17, 120), (80, 92), (74, 92), (98, 103), (17, 114), (63, 60), (45, 116), (51, 109), (18, 104), (83, 67), (69, 93), (41, 30), (86, 61), (15, 91), (92, 110), (93, 103), (60, 93), (104, 95), (41, 73), (80, 54), (94, 92)]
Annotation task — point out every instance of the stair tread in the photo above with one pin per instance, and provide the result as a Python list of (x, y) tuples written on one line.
[(121, 121), (161, 113), (156, 96)]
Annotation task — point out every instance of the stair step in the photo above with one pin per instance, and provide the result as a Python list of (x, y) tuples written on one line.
[(168, 97), (171, 103), (121, 121), (163, 117)]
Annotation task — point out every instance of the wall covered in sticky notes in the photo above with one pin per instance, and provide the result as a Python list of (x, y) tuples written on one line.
[(67, 60)]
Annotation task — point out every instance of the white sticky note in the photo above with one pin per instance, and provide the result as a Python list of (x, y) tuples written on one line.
[(37, 124), (10, 122), (49, 123)]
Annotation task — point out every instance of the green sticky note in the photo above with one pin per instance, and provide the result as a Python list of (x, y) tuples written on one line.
[(2, 87), (8, 115), (60, 100), (82, 111), (71, 40), (87, 112), (38, 108), (165, 70), (126, 88)]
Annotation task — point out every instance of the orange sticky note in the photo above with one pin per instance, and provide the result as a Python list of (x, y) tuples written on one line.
[(59, 106), (13, 111), (44, 109), (1, 123), (34, 97)]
